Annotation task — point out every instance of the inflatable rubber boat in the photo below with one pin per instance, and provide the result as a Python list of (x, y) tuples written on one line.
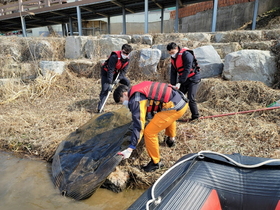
[(212, 181)]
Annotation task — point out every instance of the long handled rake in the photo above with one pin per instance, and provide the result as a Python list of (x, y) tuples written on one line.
[(108, 94)]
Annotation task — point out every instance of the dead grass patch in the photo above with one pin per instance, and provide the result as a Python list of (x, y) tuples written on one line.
[(35, 117)]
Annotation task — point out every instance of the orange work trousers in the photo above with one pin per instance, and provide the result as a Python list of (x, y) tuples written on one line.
[(162, 120)]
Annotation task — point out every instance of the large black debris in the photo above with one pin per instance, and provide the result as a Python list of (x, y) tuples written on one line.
[(87, 156)]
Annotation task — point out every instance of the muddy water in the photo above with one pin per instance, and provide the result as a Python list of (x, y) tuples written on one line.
[(26, 184)]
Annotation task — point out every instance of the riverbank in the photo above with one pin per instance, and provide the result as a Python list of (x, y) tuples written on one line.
[(36, 116), (39, 115)]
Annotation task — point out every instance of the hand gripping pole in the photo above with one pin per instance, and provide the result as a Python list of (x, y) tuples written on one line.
[(109, 93)]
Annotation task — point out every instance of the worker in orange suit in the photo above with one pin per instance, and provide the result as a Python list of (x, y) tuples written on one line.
[(164, 103)]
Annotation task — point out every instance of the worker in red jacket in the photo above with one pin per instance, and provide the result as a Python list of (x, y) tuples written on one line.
[(116, 64), (161, 101), (185, 74)]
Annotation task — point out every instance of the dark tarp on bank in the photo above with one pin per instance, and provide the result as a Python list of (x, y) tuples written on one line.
[(87, 156)]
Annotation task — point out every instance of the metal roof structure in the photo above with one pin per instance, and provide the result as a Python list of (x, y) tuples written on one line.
[(89, 10), (51, 12)]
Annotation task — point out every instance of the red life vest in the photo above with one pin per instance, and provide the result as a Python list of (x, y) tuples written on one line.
[(177, 63), (119, 65), (156, 91)]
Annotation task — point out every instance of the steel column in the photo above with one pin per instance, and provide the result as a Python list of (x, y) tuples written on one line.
[(63, 28), (23, 26), (79, 18), (146, 17), (256, 8), (66, 29), (214, 16), (162, 20), (124, 21), (177, 17), (108, 25), (70, 26)]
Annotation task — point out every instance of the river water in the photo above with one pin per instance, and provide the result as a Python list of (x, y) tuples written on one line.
[(26, 184)]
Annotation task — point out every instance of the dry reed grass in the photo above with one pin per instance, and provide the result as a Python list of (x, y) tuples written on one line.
[(35, 117)]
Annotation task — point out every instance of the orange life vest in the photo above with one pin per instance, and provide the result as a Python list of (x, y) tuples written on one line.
[(154, 91), (177, 63), (119, 65)]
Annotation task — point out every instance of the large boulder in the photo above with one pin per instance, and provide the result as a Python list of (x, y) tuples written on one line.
[(199, 37), (237, 36), (258, 45), (254, 65), (118, 36), (147, 39), (209, 60), (82, 67), (10, 68), (225, 48), (107, 45), (92, 48), (74, 47), (272, 34), (35, 49), (11, 48), (142, 39), (161, 38), (136, 38), (57, 67), (162, 48), (79, 47), (149, 59)]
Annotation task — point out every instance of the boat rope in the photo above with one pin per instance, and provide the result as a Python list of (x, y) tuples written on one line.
[(200, 155)]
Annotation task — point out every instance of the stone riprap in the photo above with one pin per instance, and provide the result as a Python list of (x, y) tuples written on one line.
[(253, 65), (83, 54)]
